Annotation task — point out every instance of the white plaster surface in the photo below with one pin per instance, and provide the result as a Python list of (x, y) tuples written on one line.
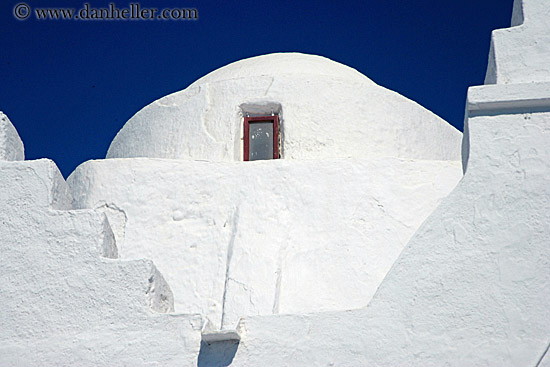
[(508, 97), (545, 359), (505, 98), (326, 109), (471, 288), (11, 146), (521, 54), (66, 299), (255, 238)]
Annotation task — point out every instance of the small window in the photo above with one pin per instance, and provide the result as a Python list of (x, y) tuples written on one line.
[(261, 138)]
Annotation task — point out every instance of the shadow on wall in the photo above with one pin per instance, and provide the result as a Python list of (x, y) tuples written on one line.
[(218, 354)]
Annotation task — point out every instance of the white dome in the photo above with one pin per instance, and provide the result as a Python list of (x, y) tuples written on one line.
[(326, 110), (282, 64)]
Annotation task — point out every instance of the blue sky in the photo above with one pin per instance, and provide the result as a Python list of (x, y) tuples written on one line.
[(69, 86)]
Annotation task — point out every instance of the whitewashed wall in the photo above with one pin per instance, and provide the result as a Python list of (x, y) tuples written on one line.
[(256, 238), (521, 54), (471, 288), (11, 146), (66, 299)]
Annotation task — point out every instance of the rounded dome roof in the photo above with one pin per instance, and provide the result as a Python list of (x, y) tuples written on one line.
[(326, 110), (281, 64)]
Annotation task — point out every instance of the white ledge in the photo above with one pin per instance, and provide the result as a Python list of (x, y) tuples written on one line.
[(220, 335), (508, 97)]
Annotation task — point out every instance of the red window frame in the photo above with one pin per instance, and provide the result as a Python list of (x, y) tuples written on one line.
[(248, 120)]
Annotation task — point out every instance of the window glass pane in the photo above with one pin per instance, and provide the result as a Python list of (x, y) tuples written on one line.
[(261, 141)]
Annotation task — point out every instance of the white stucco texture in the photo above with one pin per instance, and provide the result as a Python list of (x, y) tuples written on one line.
[(471, 288), (11, 146), (363, 246), (326, 109), (521, 54), (267, 237), (66, 298)]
